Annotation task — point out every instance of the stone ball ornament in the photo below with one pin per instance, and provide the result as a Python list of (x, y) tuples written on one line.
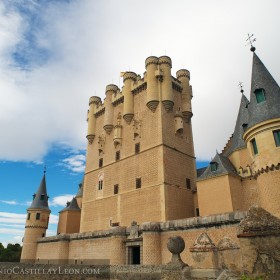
[(176, 244)]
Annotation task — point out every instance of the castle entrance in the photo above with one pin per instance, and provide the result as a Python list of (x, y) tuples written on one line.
[(134, 252)]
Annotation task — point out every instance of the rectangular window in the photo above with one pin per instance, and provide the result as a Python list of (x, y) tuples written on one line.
[(137, 148), (138, 183), (188, 183), (116, 189), (254, 146), (42, 197), (213, 166), (197, 212), (100, 162), (118, 155), (276, 135), (38, 216), (260, 96), (28, 216), (100, 185)]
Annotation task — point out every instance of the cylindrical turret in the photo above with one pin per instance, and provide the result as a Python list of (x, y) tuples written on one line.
[(36, 223), (128, 107), (183, 76), (118, 132), (93, 102), (167, 94), (262, 144), (109, 109), (151, 64)]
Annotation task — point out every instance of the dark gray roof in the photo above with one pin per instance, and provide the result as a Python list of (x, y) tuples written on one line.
[(80, 190), (72, 206), (40, 200), (200, 171), (224, 167), (270, 108), (237, 141)]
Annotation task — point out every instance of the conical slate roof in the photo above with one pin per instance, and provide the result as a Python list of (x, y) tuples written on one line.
[(80, 190), (40, 200), (270, 108), (224, 166), (72, 206), (237, 141)]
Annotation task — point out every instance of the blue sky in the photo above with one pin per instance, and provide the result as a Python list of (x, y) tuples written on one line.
[(55, 54)]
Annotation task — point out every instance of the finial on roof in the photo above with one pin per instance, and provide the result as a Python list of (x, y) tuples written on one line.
[(45, 169), (250, 40), (241, 87)]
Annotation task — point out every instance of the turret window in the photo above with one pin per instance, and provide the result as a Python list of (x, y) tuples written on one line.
[(254, 146), (38, 215), (260, 95), (213, 166), (138, 183), (276, 135), (100, 162), (137, 148), (42, 197), (118, 155), (116, 189), (100, 185), (188, 183), (28, 216)]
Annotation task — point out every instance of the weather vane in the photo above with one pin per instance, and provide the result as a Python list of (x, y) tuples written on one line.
[(250, 40), (241, 86)]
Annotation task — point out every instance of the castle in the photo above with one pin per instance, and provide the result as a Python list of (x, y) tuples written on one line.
[(141, 185)]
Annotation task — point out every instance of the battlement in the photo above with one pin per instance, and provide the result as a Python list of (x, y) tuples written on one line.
[(157, 85)]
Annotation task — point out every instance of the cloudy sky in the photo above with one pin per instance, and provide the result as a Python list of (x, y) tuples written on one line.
[(55, 54)]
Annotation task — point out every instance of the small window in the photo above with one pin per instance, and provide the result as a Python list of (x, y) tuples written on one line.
[(42, 197), (43, 235), (118, 155), (137, 148), (244, 126), (260, 95), (100, 162), (276, 135), (100, 185), (116, 189), (254, 146), (28, 216), (213, 166), (188, 183), (138, 183), (197, 212), (38, 215)]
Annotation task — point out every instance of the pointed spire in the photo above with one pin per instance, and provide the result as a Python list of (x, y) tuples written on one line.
[(262, 82), (237, 141), (40, 199)]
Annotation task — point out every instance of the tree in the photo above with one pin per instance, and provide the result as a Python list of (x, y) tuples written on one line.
[(11, 253)]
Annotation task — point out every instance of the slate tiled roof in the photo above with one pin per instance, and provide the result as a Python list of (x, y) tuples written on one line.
[(237, 141), (224, 167), (72, 206), (40, 200), (200, 171), (270, 108)]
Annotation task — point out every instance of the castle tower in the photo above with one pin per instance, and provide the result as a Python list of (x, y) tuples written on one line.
[(36, 223), (145, 169), (262, 135)]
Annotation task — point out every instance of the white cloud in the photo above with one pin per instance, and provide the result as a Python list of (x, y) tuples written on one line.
[(61, 200), (85, 50), (75, 163), (10, 202)]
